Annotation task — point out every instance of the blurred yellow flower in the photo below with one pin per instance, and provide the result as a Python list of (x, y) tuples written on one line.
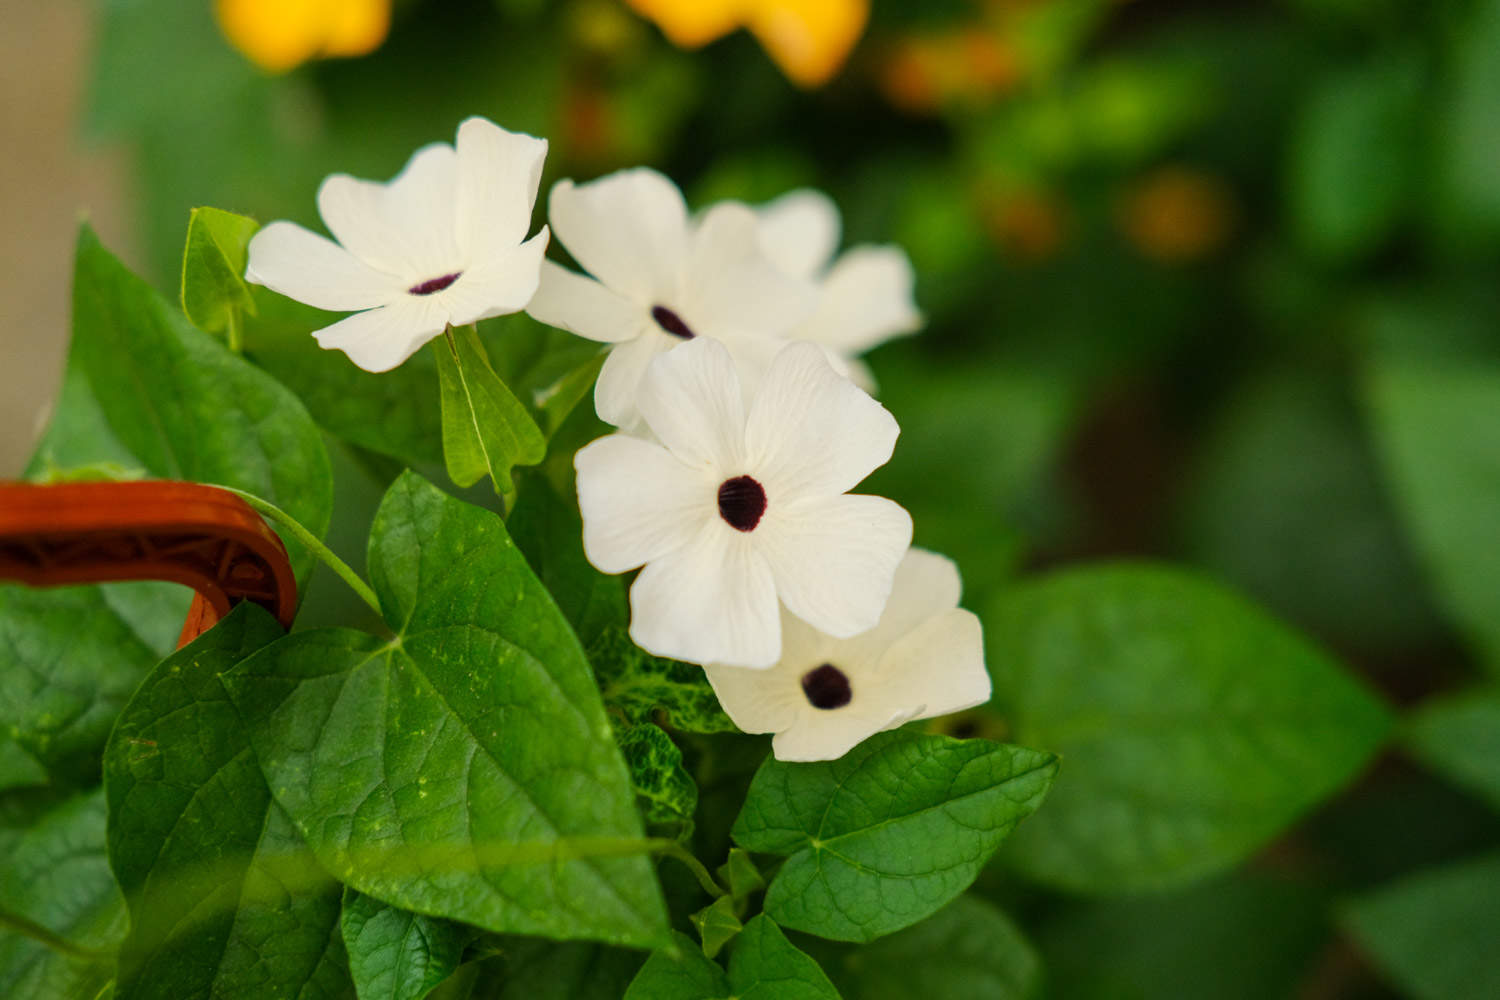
[(279, 35), (809, 39), (1178, 215)]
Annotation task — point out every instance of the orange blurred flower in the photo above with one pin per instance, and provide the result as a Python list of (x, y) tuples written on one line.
[(279, 35), (923, 73), (808, 39), (1177, 215), (1027, 222)]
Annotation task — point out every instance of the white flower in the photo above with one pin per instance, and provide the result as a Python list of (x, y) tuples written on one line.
[(661, 279), (736, 509), (865, 297), (924, 659), (439, 245)]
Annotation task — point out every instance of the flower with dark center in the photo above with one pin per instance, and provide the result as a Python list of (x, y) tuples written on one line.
[(827, 687), (742, 502), (692, 505), (442, 244), (924, 658), (658, 278)]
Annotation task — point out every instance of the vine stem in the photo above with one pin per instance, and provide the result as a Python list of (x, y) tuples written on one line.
[(311, 541), (673, 849), (35, 931)]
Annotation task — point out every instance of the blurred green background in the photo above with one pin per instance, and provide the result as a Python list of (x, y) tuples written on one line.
[(1217, 283)]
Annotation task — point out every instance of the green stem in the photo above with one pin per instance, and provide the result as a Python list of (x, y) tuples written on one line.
[(311, 542), (19, 924), (673, 849), (235, 335)]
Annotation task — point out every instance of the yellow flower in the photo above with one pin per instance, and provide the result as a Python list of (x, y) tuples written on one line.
[(279, 35), (808, 39)]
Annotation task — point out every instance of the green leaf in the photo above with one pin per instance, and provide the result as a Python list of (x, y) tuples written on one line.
[(224, 898), (763, 966), (78, 436), (1467, 197), (73, 657), (1441, 450), (464, 768), (19, 768), (717, 925), (185, 405), (214, 291), (1195, 727), (550, 369), (395, 954), (1459, 738), (56, 875), (679, 973), (968, 949), (890, 832), (1352, 155), (486, 430), (741, 874), (547, 529), (1433, 933), (639, 686), (666, 790)]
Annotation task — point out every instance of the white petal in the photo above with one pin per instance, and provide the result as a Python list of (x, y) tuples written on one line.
[(757, 701), (937, 667), (711, 601), (380, 339), (581, 305), (310, 268), (866, 300), (834, 558), (925, 585), (619, 385), (800, 231), (498, 174), (420, 205), (690, 398), (356, 213), (637, 502), (833, 734), (628, 229), (811, 431), (731, 288), (496, 286)]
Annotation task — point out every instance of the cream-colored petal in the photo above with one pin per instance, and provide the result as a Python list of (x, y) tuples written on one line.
[(690, 398), (637, 502), (497, 286), (380, 339), (731, 289), (629, 229), (799, 232), (498, 174), (310, 268), (581, 305), (866, 300)]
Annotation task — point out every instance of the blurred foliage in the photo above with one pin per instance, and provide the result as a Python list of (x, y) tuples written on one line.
[(1207, 282)]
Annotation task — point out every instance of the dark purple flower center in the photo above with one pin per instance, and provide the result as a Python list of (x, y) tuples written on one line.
[(827, 687), (671, 322), (742, 501), (432, 285)]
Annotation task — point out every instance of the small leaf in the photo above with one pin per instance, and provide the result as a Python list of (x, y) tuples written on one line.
[(741, 875), (765, 966), (214, 291), (186, 406), (486, 430), (1195, 727), (717, 925), (666, 790), (1441, 449), (395, 954), (890, 832), (1434, 933), (1459, 737), (639, 685), (464, 768), (968, 949), (56, 875), (224, 898), (679, 973)]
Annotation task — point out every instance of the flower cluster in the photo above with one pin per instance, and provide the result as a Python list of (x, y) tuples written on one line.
[(744, 420)]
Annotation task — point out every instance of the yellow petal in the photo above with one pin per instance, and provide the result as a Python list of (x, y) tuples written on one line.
[(356, 27), (691, 23), (275, 34), (809, 39)]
